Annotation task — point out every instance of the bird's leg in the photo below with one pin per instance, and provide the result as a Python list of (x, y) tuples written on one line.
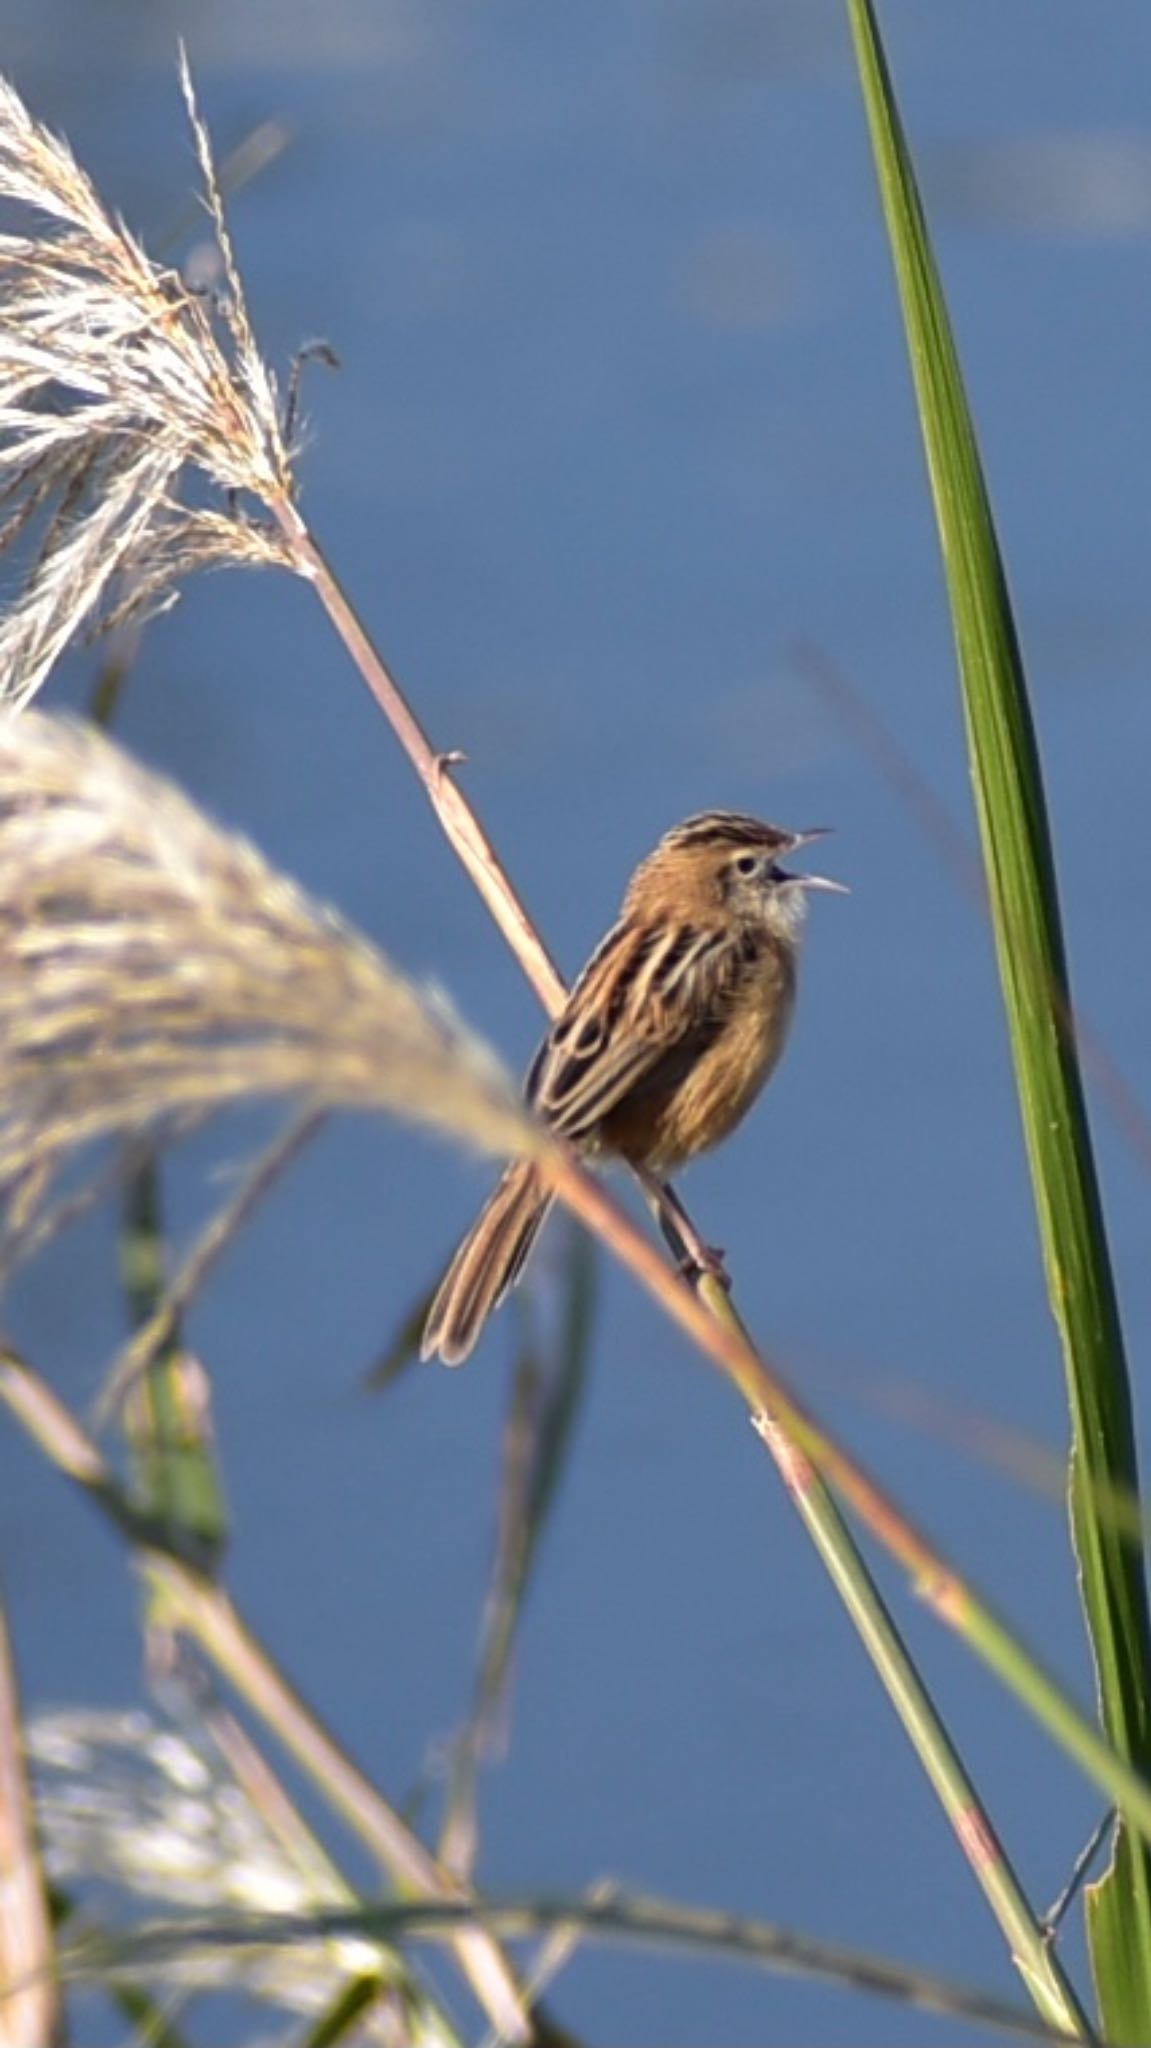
[(694, 1258)]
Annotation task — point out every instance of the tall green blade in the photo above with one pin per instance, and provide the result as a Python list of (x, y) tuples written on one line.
[(1021, 878)]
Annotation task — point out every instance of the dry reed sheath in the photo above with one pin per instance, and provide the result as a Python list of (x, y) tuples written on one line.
[(154, 968), (134, 414)]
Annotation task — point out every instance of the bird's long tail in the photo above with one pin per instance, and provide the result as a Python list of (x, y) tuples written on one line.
[(487, 1264)]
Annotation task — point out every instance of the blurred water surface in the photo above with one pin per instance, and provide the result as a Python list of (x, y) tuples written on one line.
[(623, 416)]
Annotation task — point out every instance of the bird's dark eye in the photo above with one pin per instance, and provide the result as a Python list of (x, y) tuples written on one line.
[(747, 864)]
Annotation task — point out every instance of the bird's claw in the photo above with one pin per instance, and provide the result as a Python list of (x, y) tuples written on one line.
[(707, 1263)]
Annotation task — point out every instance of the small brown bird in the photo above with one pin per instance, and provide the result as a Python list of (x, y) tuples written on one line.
[(672, 1029)]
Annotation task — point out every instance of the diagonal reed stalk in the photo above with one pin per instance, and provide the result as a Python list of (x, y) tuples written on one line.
[(155, 367), (196, 1605), (1020, 868), (29, 1996)]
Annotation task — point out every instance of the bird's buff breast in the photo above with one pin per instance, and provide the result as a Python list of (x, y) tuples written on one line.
[(688, 1111)]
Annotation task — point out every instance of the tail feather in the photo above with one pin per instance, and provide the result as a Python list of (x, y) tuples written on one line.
[(487, 1264)]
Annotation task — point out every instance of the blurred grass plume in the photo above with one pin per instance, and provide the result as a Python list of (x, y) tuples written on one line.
[(155, 968), (133, 1809), (135, 414)]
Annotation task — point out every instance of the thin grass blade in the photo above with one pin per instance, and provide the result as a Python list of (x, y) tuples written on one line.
[(547, 1396), (169, 1417), (627, 1920)]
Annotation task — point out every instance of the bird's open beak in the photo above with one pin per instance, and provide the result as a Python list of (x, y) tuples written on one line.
[(813, 881)]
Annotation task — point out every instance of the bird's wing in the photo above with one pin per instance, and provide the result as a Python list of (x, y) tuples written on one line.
[(631, 1009)]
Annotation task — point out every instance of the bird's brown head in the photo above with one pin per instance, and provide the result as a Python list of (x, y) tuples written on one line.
[(727, 865)]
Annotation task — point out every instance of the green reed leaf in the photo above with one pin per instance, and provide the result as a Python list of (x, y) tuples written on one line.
[(1019, 861)]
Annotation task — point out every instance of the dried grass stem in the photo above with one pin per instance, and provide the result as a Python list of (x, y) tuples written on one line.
[(154, 968)]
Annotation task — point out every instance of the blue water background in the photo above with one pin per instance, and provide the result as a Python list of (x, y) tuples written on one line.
[(624, 416)]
